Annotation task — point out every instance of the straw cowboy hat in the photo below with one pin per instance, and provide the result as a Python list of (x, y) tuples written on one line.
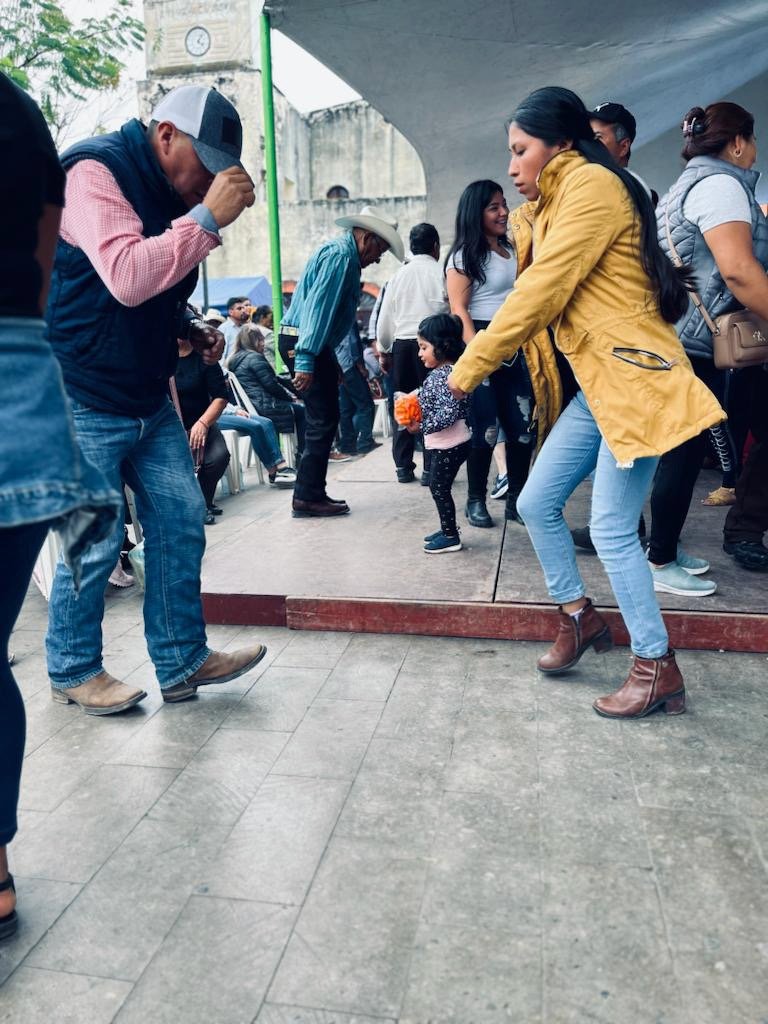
[(371, 220), (214, 314)]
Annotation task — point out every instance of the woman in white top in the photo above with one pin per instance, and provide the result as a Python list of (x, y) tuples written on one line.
[(719, 230), (481, 268)]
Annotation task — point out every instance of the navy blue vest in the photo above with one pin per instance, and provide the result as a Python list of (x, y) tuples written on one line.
[(118, 358)]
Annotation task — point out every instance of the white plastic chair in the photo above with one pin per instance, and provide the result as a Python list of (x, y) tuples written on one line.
[(381, 422), (287, 441)]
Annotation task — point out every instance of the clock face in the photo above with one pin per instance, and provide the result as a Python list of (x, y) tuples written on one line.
[(197, 41)]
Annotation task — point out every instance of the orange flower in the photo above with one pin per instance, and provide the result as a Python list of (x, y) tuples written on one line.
[(407, 410)]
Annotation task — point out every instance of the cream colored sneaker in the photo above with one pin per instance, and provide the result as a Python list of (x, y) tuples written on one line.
[(102, 695)]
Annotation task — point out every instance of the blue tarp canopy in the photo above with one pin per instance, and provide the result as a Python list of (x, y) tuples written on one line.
[(257, 289)]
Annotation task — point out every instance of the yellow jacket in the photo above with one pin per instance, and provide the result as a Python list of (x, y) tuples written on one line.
[(587, 281)]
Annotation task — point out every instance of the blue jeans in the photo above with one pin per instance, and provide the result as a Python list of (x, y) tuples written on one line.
[(152, 456), (573, 450), (356, 413), (261, 432)]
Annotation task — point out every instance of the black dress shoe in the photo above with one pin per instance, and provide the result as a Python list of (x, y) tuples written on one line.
[(477, 513), (210, 518), (335, 501), (215, 510), (308, 509), (582, 539), (510, 510), (749, 554), (405, 475)]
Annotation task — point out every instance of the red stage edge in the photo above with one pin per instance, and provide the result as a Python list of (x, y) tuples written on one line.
[(701, 631)]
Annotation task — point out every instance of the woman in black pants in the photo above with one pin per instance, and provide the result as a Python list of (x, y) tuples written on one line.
[(44, 481), (480, 272), (203, 397), (711, 221)]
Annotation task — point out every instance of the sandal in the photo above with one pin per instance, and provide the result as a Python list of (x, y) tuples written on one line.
[(720, 496), (10, 922)]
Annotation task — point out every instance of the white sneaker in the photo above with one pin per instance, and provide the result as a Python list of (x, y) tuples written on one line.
[(674, 579), (692, 565), (120, 578)]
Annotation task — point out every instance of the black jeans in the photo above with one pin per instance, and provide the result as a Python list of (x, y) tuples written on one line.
[(356, 413), (321, 404), (408, 373), (444, 464), (214, 465), (748, 518), (19, 547), (676, 477)]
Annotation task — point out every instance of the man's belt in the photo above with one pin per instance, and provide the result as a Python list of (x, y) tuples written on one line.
[(292, 332)]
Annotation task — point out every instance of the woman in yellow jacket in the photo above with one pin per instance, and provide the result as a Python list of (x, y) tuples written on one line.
[(599, 278)]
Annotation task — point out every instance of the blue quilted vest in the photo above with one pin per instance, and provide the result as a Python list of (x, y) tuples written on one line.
[(118, 358), (694, 251)]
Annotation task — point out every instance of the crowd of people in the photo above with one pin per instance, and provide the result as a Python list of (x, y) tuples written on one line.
[(573, 336)]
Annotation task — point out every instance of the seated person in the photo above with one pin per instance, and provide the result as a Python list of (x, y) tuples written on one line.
[(202, 393), (262, 317), (262, 385)]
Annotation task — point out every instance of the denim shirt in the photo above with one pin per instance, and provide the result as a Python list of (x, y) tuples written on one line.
[(325, 302), (43, 476)]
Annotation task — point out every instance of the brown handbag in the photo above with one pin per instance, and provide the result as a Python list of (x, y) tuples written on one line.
[(738, 339)]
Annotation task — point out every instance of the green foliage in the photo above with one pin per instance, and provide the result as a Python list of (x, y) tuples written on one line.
[(59, 62)]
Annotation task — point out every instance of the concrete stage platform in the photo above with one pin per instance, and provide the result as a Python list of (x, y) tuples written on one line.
[(366, 572)]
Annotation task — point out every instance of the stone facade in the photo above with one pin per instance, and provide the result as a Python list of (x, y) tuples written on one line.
[(350, 146)]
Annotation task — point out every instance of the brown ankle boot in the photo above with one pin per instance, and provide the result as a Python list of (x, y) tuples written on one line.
[(575, 635), (652, 683)]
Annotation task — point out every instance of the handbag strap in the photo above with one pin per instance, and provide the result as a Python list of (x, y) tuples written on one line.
[(175, 398), (694, 294)]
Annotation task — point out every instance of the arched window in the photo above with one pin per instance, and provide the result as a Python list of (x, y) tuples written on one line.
[(337, 192)]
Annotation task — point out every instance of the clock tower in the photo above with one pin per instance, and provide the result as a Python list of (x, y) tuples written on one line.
[(190, 36)]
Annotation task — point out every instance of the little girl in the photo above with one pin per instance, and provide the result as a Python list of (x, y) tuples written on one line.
[(443, 422)]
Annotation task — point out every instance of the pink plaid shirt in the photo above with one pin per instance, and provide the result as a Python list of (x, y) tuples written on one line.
[(99, 220)]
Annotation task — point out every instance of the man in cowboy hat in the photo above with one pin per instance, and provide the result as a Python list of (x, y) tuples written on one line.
[(321, 313)]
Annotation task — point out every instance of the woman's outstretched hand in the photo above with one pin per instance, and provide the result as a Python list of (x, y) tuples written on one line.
[(456, 391)]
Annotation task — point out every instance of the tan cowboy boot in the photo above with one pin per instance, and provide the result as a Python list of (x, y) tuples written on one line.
[(575, 634), (652, 683), (101, 695), (217, 668)]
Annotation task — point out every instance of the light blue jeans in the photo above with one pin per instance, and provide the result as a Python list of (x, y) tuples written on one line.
[(152, 456), (573, 450), (260, 430)]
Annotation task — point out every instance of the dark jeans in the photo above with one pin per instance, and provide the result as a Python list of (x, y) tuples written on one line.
[(444, 464), (356, 412), (214, 465), (748, 518), (19, 547), (676, 477), (321, 404), (408, 373), (509, 399)]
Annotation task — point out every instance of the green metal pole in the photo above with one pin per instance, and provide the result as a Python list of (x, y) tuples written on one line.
[(273, 213)]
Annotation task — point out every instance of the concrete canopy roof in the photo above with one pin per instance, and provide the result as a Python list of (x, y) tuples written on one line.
[(448, 73)]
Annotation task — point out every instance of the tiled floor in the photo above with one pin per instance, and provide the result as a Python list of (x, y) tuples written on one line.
[(372, 829)]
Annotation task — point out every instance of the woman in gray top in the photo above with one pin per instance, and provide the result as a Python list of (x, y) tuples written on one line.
[(718, 228)]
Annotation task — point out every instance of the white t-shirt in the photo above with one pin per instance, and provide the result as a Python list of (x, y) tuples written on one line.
[(500, 277), (715, 200)]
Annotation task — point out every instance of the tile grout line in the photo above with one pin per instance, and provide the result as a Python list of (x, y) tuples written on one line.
[(321, 858)]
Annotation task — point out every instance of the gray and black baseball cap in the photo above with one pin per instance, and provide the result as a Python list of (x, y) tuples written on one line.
[(209, 119)]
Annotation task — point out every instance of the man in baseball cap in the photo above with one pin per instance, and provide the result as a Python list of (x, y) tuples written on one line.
[(210, 121), (616, 128), (144, 206)]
